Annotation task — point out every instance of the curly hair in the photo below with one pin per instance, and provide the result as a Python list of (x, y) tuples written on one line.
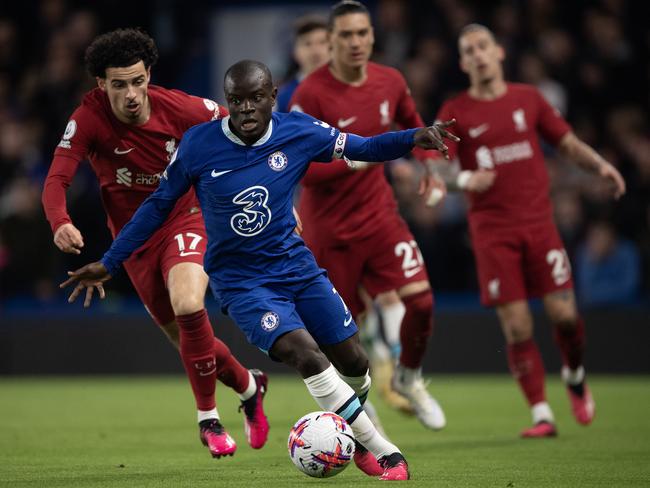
[(118, 49)]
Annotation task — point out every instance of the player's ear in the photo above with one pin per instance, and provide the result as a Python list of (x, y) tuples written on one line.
[(501, 53), (101, 83), (274, 94), (148, 74)]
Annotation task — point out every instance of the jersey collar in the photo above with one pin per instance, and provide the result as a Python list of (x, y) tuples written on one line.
[(233, 137)]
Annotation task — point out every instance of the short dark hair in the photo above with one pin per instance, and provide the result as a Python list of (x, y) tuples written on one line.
[(346, 7), (308, 23), (118, 49), (242, 68)]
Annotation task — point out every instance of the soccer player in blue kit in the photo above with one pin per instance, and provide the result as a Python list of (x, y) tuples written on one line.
[(244, 169)]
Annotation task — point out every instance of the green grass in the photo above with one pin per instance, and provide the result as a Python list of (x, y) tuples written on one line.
[(141, 432)]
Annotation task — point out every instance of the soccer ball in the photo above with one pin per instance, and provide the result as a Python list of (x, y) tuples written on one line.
[(321, 444)]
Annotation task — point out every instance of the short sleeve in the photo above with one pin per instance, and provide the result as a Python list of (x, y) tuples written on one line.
[(550, 123), (79, 135)]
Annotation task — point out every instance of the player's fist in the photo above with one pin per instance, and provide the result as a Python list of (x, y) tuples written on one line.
[(90, 276), (432, 137), (68, 239), (480, 181)]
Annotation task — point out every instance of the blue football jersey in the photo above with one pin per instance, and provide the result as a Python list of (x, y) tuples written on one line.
[(246, 195)]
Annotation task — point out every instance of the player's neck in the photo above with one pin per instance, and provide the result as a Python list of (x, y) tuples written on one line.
[(354, 76), (490, 90)]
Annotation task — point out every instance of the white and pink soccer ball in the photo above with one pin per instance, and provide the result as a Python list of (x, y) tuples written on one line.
[(321, 444)]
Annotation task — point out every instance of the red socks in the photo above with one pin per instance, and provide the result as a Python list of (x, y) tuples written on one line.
[(198, 355), (528, 369), (571, 342), (417, 327), (230, 371)]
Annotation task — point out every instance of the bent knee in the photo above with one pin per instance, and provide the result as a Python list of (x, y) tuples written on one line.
[(186, 304)]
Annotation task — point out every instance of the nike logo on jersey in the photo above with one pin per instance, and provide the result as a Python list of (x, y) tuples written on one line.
[(474, 132), (410, 273), (118, 151), (345, 122), (188, 253), (216, 174), (347, 321)]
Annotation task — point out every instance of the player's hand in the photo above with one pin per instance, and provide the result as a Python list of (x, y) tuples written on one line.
[(298, 228), (432, 137), (89, 277), (68, 239), (610, 173), (481, 181), (433, 188)]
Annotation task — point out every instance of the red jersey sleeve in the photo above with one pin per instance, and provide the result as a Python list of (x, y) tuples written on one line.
[(446, 113), (550, 123), (199, 110), (75, 144), (305, 100), (407, 117)]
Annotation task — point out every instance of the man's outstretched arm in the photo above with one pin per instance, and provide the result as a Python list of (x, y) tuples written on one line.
[(153, 212)]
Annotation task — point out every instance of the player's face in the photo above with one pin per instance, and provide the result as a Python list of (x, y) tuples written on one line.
[(480, 56), (250, 102), (352, 39), (127, 92), (312, 50)]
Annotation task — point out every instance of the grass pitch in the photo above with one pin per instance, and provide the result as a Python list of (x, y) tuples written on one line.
[(141, 432)]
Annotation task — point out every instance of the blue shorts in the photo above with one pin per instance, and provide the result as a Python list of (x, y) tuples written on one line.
[(266, 313)]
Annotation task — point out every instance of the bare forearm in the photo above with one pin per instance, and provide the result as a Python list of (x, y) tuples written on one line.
[(581, 154)]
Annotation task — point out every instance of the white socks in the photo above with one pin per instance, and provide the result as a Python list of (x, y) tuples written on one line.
[(573, 377), (207, 414), (335, 395), (392, 316), (250, 390), (542, 412), (360, 385)]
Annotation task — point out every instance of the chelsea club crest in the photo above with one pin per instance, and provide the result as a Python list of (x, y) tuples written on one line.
[(278, 161), (270, 320)]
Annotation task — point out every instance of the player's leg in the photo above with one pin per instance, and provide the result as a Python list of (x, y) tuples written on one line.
[(380, 328), (344, 265), (526, 365), (549, 276), (187, 284), (502, 280), (396, 263), (300, 351), (569, 335), (330, 324), (186, 281)]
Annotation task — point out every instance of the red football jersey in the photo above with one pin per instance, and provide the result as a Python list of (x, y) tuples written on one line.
[(127, 160), (345, 204), (503, 135)]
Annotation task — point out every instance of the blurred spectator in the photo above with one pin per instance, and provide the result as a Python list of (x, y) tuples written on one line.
[(608, 268), (310, 51)]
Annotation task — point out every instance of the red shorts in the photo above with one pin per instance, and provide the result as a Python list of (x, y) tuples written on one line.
[(520, 263), (182, 241), (386, 261)]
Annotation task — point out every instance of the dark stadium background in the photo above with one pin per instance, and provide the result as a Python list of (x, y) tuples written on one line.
[(590, 58)]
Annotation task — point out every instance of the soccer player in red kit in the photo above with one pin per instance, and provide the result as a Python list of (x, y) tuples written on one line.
[(517, 248), (351, 221), (128, 130)]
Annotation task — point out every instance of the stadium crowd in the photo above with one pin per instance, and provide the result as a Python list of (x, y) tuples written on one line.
[(589, 58)]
